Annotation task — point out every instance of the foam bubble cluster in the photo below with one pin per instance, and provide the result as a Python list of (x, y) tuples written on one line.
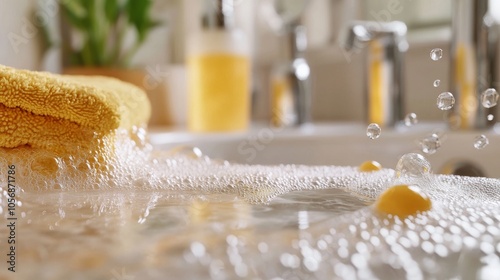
[(151, 213)]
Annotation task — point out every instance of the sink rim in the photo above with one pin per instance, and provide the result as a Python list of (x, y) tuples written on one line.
[(456, 145)]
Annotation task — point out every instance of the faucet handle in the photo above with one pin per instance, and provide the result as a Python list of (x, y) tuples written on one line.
[(358, 33)]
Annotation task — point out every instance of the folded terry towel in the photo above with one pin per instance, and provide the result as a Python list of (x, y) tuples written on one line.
[(46, 110)]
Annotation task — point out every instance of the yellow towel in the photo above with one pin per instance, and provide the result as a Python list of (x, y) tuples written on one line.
[(50, 111)]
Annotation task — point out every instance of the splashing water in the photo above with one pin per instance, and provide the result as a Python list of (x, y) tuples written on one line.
[(490, 117), (436, 54), (430, 144), (411, 119), (373, 131), (445, 101), (413, 165), (436, 83), (489, 98), (480, 142)]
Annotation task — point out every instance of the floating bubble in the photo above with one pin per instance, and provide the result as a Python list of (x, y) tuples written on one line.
[(481, 141), (436, 54), (413, 165), (436, 83), (489, 98), (445, 101), (430, 144), (411, 119), (373, 131)]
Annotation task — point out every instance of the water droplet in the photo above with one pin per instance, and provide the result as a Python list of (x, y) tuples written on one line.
[(481, 141), (373, 131), (411, 119), (412, 165), (490, 117), (436, 54), (445, 101), (489, 98), (430, 144), (436, 83)]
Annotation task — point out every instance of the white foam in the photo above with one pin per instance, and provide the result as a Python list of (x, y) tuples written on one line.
[(115, 192)]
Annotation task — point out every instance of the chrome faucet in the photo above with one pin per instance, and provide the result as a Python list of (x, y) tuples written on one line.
[(474, 64), (386, 44), (290, 83), (290, 79)]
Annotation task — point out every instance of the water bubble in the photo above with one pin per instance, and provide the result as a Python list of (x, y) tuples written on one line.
[(490, 117), (445, 101), (481, 141), (436, 54), (412, 165), (46, 165), (411, 119), (489, 98), (430, 144), (139, 136), (373, 131), (436, 83)]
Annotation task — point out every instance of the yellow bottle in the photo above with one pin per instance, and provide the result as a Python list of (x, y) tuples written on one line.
[(218, 79)]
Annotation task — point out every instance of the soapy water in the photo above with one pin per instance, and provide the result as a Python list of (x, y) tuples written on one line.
[(141, 213)]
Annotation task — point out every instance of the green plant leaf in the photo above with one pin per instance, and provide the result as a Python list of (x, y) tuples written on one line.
[(152, 24), (75, 13), (112, 10), (98, 21), (138, 15)]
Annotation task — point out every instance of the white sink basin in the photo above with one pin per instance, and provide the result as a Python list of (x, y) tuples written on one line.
[(337, 144)]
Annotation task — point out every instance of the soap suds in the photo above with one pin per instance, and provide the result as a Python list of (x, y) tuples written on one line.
[(91, 211)]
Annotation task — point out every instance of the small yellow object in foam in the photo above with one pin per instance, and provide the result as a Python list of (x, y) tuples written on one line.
[(403, 201), (369, 166)]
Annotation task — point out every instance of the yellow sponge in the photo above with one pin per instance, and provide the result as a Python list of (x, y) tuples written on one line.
[(45, 110)]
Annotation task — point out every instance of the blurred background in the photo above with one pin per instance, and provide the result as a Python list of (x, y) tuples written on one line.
[(33, 36)]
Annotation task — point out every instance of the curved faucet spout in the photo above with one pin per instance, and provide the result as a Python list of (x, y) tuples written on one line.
[(386, 44)]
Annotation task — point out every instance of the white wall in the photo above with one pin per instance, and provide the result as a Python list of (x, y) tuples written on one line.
[(19, 40)]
